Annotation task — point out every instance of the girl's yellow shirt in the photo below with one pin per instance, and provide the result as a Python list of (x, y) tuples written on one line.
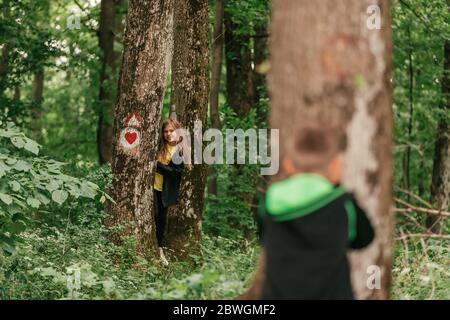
[(158, 184)]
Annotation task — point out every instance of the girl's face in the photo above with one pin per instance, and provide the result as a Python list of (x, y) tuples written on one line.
[(169, 134)]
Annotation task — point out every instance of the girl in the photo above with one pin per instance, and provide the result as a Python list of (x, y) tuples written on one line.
[(167, 178)]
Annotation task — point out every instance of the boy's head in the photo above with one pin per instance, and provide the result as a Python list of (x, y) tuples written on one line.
[(317, 150)]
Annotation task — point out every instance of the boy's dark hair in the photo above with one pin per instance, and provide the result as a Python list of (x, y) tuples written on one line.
[(313, 146)]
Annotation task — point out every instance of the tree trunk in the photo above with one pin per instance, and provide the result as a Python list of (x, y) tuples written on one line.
[(440, 182), (16, 93), (36, 98), (190, 87), (259, 78), (4, 68), (107, 75), (328, 67), (238, 57), (407, 155), (217, 48), (145, 65)]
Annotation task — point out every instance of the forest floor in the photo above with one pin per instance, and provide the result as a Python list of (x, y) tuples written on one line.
[(44, 266)]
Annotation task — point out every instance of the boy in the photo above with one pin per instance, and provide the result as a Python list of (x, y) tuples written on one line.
[(309, 221)]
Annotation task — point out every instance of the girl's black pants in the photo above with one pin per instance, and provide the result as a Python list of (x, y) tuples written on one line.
[(160, 218)]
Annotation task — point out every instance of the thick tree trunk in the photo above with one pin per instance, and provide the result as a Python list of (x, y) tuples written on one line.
[(337, 73), (190, 87), (217, 48), (238, 58), (107, 75), (145, 66), (440, 182)]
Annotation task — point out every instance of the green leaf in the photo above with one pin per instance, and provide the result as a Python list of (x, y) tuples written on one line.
[(7, 243), (3, 168), (32, 146), (87, 191), (11, 161), (59, 196), (16, 227), (53, 185), (6, 133), (22, 166), (6, 198), (42, 198), (15, 186), (33, 202), (19, 142)]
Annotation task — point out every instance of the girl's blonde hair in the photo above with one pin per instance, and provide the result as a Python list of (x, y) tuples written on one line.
[(163, 149)]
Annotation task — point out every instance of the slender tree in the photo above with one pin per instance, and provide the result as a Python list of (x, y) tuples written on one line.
[(216, 62), (106, 94), (238, 57), (37, 93), (440, 182)]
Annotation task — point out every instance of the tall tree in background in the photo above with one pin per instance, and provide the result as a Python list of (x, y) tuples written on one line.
[(4, 60), (238, 58), (4, 57), (260, 55), (440, 182), (106, 95), (145, 66), (190, 88), (337, 74), (216, 68), (37, 93)]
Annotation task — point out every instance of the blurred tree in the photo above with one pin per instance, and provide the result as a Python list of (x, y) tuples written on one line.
[(337, 74)]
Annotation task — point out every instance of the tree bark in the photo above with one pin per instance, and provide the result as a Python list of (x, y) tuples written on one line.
[(36, 98), (107, 74), (238, 58), (217, 48), (37, 91), (407, 155), (16, 93), (190, 87), (259, 79), (4, 68), (145, 65), (440, 182), (337, 73)]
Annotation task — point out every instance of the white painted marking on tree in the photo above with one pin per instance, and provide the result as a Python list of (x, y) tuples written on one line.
[(133, 120), (130, 138)]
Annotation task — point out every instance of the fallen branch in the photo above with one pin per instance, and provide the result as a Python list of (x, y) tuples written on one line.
[(423, 235), (412, 208), (409, 193)]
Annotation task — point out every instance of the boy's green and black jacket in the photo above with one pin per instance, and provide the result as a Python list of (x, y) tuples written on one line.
[(308, 225)]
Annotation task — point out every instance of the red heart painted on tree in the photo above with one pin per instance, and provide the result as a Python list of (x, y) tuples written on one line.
[(130, 137)]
